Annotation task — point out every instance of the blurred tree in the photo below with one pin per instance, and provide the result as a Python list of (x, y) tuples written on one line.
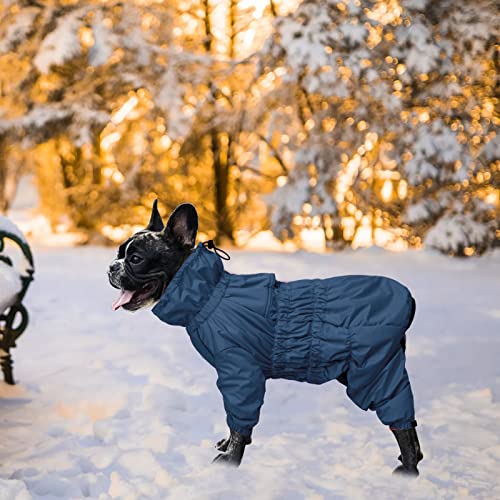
[(133, 108), (354, 115), (330, 60), (382, 95), (449, 86), (62, 73)]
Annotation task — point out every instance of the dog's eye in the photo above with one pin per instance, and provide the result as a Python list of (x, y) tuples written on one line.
[(135, 259)]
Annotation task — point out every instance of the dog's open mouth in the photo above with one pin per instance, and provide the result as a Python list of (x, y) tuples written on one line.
[(133, 299)]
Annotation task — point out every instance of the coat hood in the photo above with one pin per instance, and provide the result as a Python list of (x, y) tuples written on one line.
[(191, 287)]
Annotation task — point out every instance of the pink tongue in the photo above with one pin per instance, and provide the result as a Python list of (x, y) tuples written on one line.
[(124, 298)]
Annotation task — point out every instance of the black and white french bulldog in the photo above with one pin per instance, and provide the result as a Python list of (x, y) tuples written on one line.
[(142, 270), (147, 263)]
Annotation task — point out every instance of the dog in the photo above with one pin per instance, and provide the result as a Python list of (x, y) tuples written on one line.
[(254, 327)]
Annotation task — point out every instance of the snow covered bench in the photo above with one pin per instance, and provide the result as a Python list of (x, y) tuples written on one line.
[(13, 286)]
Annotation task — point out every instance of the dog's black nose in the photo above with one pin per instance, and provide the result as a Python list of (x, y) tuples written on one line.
[(114, 266)]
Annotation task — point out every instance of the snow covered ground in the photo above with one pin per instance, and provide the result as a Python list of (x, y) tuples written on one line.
[(119, 405)]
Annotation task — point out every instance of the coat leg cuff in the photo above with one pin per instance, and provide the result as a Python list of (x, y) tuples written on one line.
[(245, 432), (399, 426)]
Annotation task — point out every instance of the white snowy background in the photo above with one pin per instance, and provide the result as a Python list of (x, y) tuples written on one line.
[(119, 405)]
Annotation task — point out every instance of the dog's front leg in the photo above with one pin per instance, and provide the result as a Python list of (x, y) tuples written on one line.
[(232, 449), (242, 384)]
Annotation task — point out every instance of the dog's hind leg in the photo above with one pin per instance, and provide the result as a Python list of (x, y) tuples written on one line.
[(343, 378), (410, 321), (411, 453)]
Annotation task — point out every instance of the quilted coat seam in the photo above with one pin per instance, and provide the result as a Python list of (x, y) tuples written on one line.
[(316, 329), (212, 303), (270, 293), (283, 307)]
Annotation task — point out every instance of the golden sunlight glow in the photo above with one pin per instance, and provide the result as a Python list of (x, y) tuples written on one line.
[(346, 177), (86, 37), (362, 125), (119, 233), (247, 38), (386, 191), (245, 116), (328, 124), (371, 140), (366, 237), (402, 189), (348, 227), (165, 141), (118, 177), (313, 240), (493, 197), (281, 180), (385, 12), (129, 105), (114, 174), (424, 116), (108, 141)]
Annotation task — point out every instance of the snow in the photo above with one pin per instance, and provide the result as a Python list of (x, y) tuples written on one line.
[(7, 226), (415, 4), (104, 40), (119, 405), (491, 150), (18, 29), (423, 53), (304, 37), (421, 211), (171, 98), (10, 276), (61, 44), (456, 231), (36, 118), (354, 33), (435, 144), (10, 285)]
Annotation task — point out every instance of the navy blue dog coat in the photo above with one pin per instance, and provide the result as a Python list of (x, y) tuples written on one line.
[(251, 327)]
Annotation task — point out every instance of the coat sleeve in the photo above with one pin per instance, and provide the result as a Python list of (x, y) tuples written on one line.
[(242, 385)]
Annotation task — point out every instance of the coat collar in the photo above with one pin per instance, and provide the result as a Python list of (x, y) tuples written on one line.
[(190, 288)]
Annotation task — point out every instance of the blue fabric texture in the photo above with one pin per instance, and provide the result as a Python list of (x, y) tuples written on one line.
[(251, 327)]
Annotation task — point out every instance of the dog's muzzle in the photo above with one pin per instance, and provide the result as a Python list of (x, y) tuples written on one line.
[(115, 272), (137, 290)]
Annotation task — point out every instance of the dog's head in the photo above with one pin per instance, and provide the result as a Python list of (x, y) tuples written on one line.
[(147, 261)]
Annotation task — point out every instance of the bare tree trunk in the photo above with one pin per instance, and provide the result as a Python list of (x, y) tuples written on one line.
[(272, 6), (220, 158), (3, 175), (221, 177), (207, 43), (233, 11), (10, 175), (11, 171)]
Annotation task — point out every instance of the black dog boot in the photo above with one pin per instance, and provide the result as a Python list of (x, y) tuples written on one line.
[(232, 449), (410, 451)]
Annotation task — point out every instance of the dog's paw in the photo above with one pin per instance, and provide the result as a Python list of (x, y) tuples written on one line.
[(227, 459), (222, 444), (401, 470)]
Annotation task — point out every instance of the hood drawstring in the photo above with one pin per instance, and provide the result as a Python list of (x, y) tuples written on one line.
[(211, 245)]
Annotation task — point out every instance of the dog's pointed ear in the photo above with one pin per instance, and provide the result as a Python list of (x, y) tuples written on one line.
[(155, 222), (182, 226)]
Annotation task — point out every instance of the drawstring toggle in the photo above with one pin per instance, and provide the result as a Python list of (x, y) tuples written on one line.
[(211, 246)]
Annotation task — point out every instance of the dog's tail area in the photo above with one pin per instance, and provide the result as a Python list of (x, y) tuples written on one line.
[(412, 312), (410, 321)]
